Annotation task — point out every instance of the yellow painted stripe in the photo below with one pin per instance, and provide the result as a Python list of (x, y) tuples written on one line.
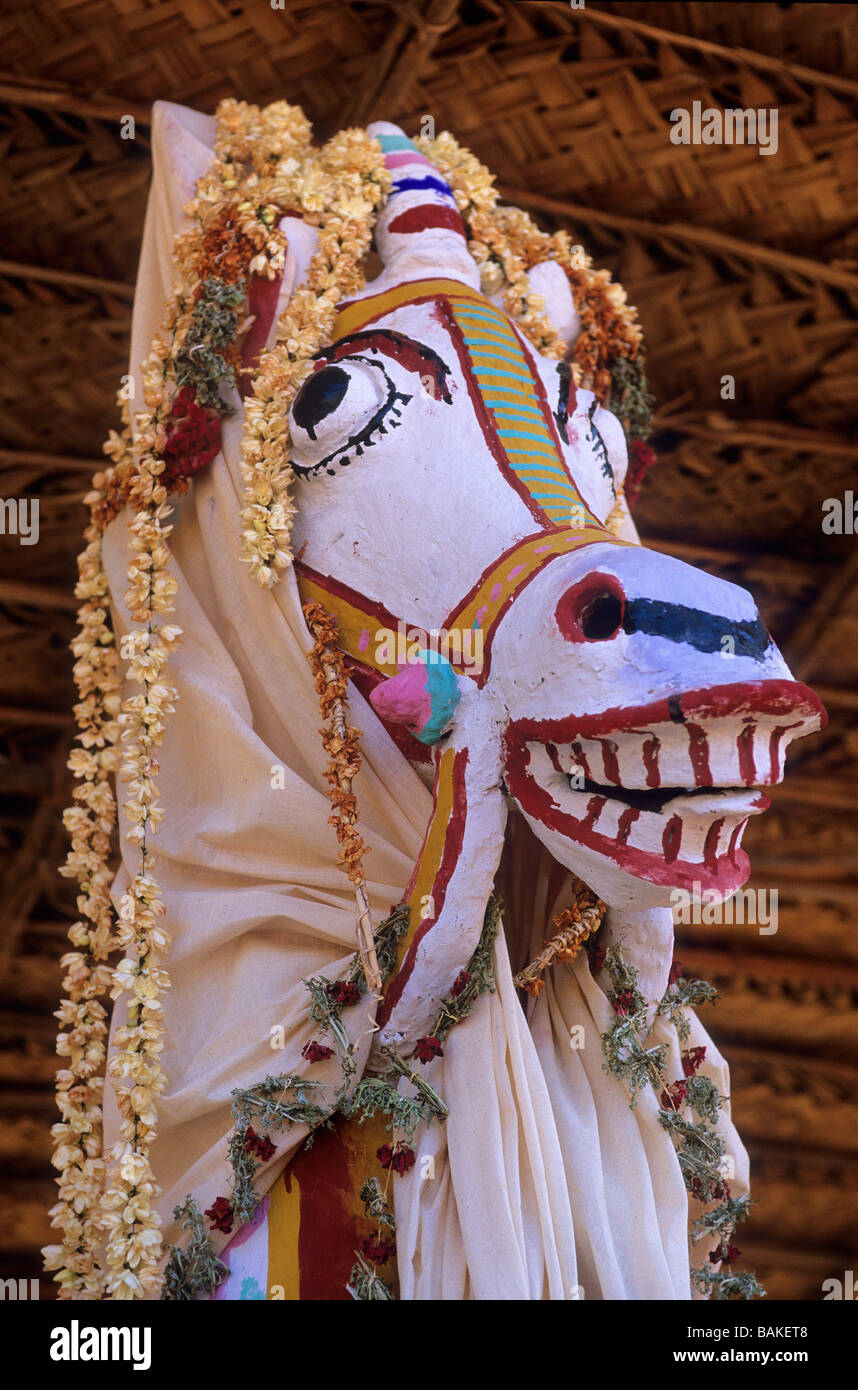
[(284, 1227), (362, 310), (525, 559), (431, 855)]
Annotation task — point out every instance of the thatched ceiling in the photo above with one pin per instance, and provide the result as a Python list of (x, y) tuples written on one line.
[(740, 264)]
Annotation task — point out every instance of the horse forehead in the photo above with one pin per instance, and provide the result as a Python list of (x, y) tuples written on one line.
[(452, 325)]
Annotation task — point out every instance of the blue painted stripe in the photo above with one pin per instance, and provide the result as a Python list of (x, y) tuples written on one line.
[(513, 432), (427, 181), (511, 376)]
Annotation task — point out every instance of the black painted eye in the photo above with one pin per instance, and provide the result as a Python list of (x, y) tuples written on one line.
[(342, 410), (319, 396)]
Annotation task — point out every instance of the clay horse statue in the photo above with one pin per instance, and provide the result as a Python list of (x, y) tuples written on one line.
[(555, 720), (460, 512)]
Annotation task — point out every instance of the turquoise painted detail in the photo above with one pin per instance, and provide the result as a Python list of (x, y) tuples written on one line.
[(396, 142), (250, 1289), (444, 695)]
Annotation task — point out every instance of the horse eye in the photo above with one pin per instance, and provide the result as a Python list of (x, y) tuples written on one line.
[(319, 397)]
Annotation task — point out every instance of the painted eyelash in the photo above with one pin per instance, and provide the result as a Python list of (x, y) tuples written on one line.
[(561, 414), (355, 447), (600, 446)]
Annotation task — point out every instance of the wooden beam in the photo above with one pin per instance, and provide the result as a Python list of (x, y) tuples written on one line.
[(19, 270), (684, 233), (737, 57), (43, 97), (14, 591), (65, 463), (811, 634), (35, 718), (413, 35)]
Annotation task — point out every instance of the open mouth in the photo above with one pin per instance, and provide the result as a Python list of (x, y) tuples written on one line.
[(664, 791)]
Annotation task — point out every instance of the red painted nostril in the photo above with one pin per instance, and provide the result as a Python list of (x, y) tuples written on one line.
[(592, 610)]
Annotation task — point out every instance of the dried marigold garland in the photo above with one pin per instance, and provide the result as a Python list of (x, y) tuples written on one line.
[(572, 927), (338, 190), (177, 434), (340, 740), (83, 1018)]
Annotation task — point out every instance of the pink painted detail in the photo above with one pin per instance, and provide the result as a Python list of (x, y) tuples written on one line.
[(698, 750), (481, 612), (246, 1263), (400, 158), (519, 569), (745, 744), (541, 549), (404, 699), (496, 592), (363, 640)]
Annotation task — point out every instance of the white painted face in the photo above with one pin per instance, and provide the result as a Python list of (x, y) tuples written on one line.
[(642, 701)]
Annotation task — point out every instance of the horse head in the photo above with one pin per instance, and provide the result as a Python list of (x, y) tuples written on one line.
[(461, 512)]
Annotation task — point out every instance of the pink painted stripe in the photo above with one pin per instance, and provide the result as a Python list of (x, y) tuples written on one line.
[(402, 157)]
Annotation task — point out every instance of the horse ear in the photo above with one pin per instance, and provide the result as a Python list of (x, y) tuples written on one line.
[(549, 280), (419, 232)]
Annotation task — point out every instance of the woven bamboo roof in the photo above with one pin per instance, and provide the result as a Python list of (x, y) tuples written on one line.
[(740, 264)]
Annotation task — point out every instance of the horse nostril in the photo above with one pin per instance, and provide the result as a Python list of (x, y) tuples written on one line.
[(592, 610), (602, 618)]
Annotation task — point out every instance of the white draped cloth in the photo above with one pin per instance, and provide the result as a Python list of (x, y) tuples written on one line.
[(546, 1184)]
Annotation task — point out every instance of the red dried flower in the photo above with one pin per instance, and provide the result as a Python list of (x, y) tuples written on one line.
[(676, 972), (378, 1249), (258, 1144), (596, 959), (692, 1059), (672, 1098), (463, 979), (641, 460), (427, 1048), (316, 1052), (343, 992), (220, 1214), (400, 1158), (724, 1254), (192, 440), (624, 1002)]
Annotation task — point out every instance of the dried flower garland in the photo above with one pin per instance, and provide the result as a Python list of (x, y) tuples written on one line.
[(340, 740), (688, 1110), (572, 927), (338, 190), (82, 1015)]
